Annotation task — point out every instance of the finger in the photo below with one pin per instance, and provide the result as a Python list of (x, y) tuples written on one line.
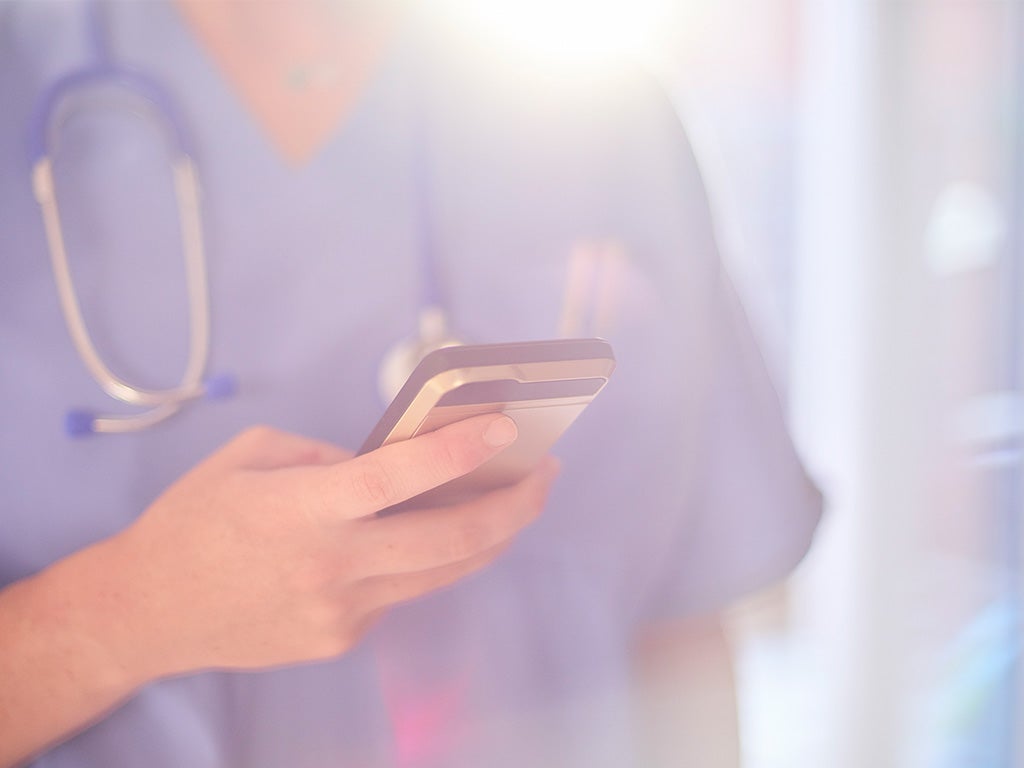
[(432, 538), (382, 591), (394, 473), (266, 448)]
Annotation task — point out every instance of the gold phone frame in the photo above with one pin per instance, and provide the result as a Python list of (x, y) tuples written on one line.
[(542, 385)]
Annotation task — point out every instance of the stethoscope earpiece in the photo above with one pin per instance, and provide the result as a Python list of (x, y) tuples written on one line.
[(220, 387), (83, 423), (401, 360), (79, 423)]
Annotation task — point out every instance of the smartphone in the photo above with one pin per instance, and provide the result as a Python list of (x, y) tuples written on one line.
[(542, 385)]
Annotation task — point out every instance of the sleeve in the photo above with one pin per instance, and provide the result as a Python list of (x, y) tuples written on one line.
[(753, 509), (750, 511)]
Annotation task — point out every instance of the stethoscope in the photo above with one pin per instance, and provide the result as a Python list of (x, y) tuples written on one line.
[(159, 404), (590, 272), (53, 108)]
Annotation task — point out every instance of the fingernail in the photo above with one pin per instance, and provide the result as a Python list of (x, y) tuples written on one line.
[(501, 431)]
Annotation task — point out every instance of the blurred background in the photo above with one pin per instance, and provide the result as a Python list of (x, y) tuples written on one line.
[(865, 162)]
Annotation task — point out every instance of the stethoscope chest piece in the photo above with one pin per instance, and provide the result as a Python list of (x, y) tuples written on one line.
[(401, 359)]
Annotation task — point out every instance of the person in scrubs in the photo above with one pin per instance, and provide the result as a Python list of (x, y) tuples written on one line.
[(216, 590)]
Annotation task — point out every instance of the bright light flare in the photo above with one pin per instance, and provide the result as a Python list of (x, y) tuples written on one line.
[(565, 33)]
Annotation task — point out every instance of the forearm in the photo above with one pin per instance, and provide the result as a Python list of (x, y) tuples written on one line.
[(67, 651)]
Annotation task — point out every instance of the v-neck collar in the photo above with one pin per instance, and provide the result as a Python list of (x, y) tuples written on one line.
[(298, 122)]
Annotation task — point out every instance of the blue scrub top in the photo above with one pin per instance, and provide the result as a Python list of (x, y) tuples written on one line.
[(680, 489)]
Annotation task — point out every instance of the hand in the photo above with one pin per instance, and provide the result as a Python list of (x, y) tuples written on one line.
[(270, 551)]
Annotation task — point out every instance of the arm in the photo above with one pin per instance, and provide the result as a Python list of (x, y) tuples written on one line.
[(267, 553), (68, 653), (684, 695)]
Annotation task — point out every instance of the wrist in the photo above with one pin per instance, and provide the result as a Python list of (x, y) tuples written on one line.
[(68, 650), (90, 600)]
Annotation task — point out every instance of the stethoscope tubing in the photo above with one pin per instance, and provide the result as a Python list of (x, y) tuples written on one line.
[(41, 131), (187, 192), (44, 135)]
